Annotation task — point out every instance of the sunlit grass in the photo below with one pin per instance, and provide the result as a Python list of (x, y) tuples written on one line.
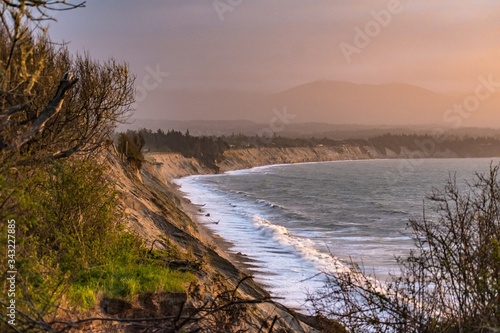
[(125, 282)]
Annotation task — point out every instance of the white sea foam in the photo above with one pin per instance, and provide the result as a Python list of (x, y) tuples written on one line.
[(303, 247), (286, 264), (289, 219)]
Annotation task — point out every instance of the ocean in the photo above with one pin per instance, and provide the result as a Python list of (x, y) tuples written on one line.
[(295, 221)]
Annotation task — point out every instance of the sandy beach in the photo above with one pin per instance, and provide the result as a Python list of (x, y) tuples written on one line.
[(222, 246)]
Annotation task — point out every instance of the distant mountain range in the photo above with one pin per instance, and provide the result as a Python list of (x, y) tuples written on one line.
[(349, 103), (334, 102)]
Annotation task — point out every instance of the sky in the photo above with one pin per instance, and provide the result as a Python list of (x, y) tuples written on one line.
[(267, 46)]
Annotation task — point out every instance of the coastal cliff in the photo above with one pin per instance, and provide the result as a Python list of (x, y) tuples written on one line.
[(235, 159), (166, 222), (158, 213), (166, 166)]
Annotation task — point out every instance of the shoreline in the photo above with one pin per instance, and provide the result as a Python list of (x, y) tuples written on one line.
[(247, 265), (223, 246), (177, 167), (171, 165), (219, 244)]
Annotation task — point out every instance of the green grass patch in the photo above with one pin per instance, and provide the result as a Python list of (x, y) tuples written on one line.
[(124, 282), (72, 243)]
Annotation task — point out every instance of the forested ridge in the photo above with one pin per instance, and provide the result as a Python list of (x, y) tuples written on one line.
[(209, 150)]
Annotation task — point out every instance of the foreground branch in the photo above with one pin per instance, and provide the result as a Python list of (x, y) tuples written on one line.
[(52, 109)]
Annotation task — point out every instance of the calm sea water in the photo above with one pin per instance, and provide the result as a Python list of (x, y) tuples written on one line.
[(300, 220)]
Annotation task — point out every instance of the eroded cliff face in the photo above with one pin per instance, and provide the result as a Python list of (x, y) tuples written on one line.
[(252, 157), (155, 212), (167, 166)]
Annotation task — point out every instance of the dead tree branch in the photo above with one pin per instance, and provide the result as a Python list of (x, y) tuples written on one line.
[(52, 109)]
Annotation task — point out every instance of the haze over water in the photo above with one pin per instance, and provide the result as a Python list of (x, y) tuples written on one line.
[(289, 218), (379, 62)]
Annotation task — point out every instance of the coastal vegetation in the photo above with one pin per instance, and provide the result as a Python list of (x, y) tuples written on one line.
[(85, 252), (130, 145), (66, 236)]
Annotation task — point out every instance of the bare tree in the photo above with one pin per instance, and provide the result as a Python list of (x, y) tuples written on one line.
[(21, 18), (450, 282), (39, 10), (52, 104)]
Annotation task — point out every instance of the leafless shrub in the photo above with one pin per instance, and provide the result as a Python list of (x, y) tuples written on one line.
[(52, 104), (225, 311), (450, 281)]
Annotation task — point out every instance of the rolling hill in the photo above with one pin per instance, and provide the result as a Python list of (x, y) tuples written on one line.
[(335, 102)]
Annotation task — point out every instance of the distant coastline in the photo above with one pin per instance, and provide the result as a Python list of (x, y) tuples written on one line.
[(168, 166)]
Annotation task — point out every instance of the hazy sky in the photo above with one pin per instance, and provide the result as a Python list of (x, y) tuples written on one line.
[(272, 45)]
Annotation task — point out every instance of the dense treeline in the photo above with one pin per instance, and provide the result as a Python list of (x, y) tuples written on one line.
[(209, 150), (462, 146), (244, 141)]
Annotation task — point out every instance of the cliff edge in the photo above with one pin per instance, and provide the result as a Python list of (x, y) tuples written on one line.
[(167, 166), (226, 292)]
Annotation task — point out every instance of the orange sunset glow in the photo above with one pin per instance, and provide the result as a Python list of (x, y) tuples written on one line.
[(237, 60)]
